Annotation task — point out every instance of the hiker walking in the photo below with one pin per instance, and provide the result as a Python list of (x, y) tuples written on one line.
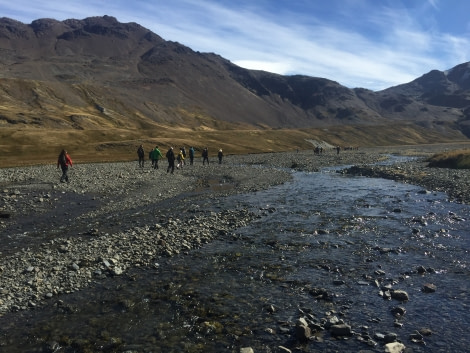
[(141, 155), (171, 160), (191, 155), (183, 150), (180, 159), (64, 161), (220, 155), (156, 155), (205, 156)]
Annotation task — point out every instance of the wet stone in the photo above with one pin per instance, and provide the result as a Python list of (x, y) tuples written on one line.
[(429, 288), (421, 269), (246, 350), (425, 331), (302, 333), (398, 311), (341, 330), (390, 337), (394, 347), (400, 295)]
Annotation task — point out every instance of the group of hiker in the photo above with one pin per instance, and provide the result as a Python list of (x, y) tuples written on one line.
[(64, 160), (172, 156)]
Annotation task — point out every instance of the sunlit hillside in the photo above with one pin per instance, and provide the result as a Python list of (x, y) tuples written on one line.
[(100, 88)]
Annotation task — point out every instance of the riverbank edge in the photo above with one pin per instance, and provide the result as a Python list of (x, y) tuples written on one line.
[(63, 265), (453, 182)]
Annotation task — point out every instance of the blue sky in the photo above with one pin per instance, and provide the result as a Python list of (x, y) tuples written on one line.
[(372, 44)]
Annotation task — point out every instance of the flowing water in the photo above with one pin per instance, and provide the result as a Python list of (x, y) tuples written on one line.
[(323, 230)]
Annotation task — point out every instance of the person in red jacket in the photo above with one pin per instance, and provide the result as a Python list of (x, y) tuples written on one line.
[(64, 162)]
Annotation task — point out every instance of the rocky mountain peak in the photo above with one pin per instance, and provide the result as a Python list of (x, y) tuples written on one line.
[(138, 79), (460, 75)]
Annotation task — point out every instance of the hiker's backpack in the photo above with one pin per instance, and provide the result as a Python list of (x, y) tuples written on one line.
[(63, 160)]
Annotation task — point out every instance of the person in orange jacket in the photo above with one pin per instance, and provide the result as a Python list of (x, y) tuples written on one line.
[(64, 161)]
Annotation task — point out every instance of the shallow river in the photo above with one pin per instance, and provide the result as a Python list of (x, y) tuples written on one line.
[(248, 289)]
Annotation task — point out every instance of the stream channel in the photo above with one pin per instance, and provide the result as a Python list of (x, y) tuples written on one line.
[(347, 236)]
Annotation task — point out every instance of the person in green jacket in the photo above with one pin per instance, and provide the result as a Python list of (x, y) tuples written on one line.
[(156, 155)]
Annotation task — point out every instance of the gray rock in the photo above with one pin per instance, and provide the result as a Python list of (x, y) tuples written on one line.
[(390, 337), (416, 336), (302, 322), (421, 269), (247, 350), (341, 330), (386, 295), (394, 347), (379, 336), (429, 288), (302, 333), (400, 295), (333, 320), (117, 271), (398, 311), (425, 331), (398, 324)]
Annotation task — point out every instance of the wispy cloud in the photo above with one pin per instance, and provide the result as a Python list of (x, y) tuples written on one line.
[(377, 48)]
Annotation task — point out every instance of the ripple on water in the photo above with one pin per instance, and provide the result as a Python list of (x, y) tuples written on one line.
[(345, 235)]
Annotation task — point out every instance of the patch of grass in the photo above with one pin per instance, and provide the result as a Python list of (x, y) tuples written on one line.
[(457, 159)]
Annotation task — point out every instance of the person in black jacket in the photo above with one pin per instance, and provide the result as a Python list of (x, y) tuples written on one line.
[(141, 155), (205, 156), (170, 155), (191, 155)]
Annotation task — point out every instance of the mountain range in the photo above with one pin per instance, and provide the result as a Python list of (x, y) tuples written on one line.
[(101, 83)]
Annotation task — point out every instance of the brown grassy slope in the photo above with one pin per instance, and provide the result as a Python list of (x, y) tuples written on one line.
[(37, 121), (23, 145)]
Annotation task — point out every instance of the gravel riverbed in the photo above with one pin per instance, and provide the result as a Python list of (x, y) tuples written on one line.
[(58, 238)]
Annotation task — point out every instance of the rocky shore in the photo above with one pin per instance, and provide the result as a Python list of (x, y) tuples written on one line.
[(58, 238)]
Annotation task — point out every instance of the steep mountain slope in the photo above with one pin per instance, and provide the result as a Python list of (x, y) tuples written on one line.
[(98, 74), (449, 91)]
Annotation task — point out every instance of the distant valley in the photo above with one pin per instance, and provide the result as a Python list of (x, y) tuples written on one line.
[(99, 88)]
